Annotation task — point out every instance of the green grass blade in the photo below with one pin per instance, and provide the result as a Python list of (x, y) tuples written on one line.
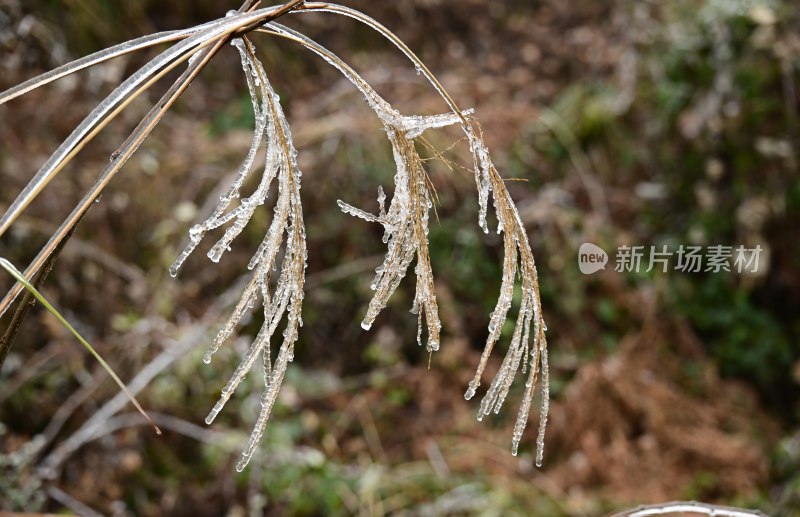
[(13, 271)]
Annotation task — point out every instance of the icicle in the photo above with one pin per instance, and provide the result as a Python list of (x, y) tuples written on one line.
[(399, 238), (272, 130), (357, 212), (267, 402), (381, 202), (469, 393), (545, 409)]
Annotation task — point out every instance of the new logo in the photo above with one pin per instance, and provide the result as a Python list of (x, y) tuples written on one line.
[(591, 258)]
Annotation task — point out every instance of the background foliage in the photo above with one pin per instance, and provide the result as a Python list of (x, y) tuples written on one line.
[(646, 123)]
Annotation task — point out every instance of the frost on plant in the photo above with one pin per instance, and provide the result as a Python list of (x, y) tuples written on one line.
[(278, 265), (287, 225), (529, 351)]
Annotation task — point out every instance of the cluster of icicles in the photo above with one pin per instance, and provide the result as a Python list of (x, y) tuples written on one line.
[(405, 224), (278, 266), (287, 225)]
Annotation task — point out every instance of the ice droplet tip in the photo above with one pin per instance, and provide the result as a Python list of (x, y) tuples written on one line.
[(469, 393)]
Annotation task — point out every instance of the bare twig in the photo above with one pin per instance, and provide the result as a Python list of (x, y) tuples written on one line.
[(97, 422), (71, 503)]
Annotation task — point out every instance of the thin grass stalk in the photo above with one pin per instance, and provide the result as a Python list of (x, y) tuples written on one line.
[(29, 301), (117, 161), (214, 30), (9, 267), (371, 22)]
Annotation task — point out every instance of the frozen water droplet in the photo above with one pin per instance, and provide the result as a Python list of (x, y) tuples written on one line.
[(470, 393), (418, 69), (366, 325)]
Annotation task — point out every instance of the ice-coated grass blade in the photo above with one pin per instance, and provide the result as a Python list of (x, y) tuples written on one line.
[(95, 59), (51, 167), (215, 33)]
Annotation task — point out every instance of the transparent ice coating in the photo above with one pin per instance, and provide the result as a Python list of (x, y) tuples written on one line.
[(286, 233), (195, 39), (518, 258)]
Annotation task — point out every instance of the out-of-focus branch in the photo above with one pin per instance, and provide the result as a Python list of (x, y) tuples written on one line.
[(682, 507)]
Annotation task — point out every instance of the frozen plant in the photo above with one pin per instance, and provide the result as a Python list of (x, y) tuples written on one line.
[(278, 265)]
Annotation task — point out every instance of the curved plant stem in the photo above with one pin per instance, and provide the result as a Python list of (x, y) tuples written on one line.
[(374, 24)]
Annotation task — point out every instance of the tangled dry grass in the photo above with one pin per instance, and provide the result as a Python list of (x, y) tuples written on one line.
[(643, 424)]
